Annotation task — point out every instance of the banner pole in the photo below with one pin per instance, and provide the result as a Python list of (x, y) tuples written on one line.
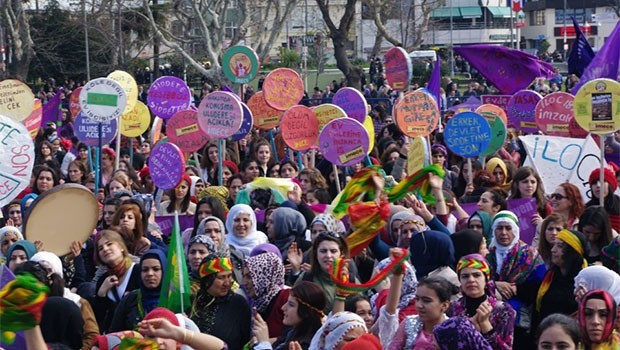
[(601, 180), (338, 187), (273, 146)]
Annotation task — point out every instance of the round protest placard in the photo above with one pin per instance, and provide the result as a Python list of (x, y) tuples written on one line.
[(240, 64), (135, 122), (299, 128), (521, 110), (554, 113), (220, 115), (352, 102), (16, 99), (417, 114), (168, 95), (129, 85), (265, 117), (398, 68), (166, 165), (102, 99), (327, 112), (597, 106), (344, 141), (33, 122), (74, 102), (468, 134), (576, 131), (493, 114), (490, 109), (283, 88), (87, 130), (16, 159), (246, 124), (370, 129), (182, 130)]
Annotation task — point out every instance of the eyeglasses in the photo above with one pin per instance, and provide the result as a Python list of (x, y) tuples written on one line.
[(557, 196)]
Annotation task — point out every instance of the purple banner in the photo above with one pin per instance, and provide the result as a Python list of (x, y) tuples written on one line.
[(434, 85), (581, 54), (166, 223), (51, 113)]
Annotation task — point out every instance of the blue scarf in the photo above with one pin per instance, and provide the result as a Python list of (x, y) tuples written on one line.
[(150, 297)]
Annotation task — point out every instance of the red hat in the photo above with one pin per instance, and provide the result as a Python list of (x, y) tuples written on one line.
[(145, 172), (232, 166), (187, 179), (110, 152), (367, 342), (609, 176), (162, 312)]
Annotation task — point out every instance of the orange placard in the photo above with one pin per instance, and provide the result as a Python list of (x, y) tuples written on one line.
[(264, 116), (300, 128), (283, 88), (417, 114), (489, 110)]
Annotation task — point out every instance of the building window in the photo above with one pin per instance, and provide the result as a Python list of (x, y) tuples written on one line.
[(581, 15), (230, 29), (537, 18)]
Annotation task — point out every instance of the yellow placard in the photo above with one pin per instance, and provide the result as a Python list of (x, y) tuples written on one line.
[(416, 155), (128, 83), (327, 112), (135, 122), (597, 106), (16, 99), (370, 129)]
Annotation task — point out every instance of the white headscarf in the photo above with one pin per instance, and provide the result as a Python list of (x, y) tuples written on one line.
[(56, 265), (254, 237), (192, 188), (334, 329), (501, 251), (5, 231), (599, 277)]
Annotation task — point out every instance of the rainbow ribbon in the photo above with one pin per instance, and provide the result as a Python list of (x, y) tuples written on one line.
[(21, 304)]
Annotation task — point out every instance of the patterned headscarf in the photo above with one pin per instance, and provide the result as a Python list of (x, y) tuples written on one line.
[(334, 329), (508, 217), (474, 261), (410, 282), (221, 193), (213, 264), (458, 333), (327, 220), (113, 340), (267, 274), (205, 240), (222, 248), (611, 315)]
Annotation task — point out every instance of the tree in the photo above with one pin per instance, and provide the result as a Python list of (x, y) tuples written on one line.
[(340, 37), (204, 25), (20, 44)]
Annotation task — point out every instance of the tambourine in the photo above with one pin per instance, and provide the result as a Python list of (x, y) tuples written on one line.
[(64, 214)]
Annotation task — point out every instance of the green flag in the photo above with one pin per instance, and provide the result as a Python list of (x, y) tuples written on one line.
[(175, 290)]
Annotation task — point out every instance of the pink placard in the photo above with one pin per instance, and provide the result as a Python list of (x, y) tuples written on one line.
[(300, 128), (220, 115), (182, 130), (521, 110), (352, 102), (283, 88), (74, 102), (498, 100), (554, 113), (344, 141), (398, 68)]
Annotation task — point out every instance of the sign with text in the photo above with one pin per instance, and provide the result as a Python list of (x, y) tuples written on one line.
[(135, 122), (521, 110), (597, 106), (398, 69), (344, 141), (183, 131), (74, 102), (16, 99), (283, 88), (16, 159), (220, 115), (500, 101), (417, 114), (352, 102), (87, 130), (554, 113), (299, 128), (129, 85), (166, 165), (168, 95), (468, 134), (264, 116), (327, 112), (102, 100)]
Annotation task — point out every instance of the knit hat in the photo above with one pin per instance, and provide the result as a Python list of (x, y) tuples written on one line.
[(366, 342), (187, 179), (110, 152), (230, 165), (609, 177), (162, 312), (437, 147), (334, 329)]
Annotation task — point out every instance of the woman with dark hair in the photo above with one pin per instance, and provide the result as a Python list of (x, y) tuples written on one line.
[(302, 314), (288, 169), (558, 331), (44, 179), (360, 304), (248, 169), (208, 162), (207, 206), (610, 200), (567, 201), (549, 229), (465, 182), (597, 318), (45, 153), (467, 242), (216, 310), (311, 178), (263, 155), (77, 172), (567, 259), (527, 184), (492, 202), (180, 200), (595, 225)]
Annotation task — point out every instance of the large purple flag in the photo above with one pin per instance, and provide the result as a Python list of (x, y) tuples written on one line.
[(51, 110), (580, 54), (606, 62), (434, 85), (509, 70)]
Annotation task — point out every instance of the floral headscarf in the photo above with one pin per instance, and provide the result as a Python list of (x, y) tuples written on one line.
[(410, 282), (458, 333), (267, 274)]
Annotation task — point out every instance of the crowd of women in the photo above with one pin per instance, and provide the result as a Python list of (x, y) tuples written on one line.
[(260, 262)]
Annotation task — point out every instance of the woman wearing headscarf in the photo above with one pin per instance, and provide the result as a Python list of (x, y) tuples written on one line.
[(285, 226), (432, 254), (199, 247), (497, 167), (218, 311), (241, 229), (439, 156), (493, 318), (467, 242), (480, 221), (406, 301), (213, 227), (20, 252), (8, 236), (517, 267), (263, 283), (597, 317), (458, 333), (338, 330), (135, 305), (597, 277)]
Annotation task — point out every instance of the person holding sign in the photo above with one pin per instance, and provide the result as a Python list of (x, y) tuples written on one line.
[(527, 184), (179, 200)]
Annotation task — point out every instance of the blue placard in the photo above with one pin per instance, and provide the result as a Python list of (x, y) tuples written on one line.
[(246, 124), (468, 134), (87, 130)]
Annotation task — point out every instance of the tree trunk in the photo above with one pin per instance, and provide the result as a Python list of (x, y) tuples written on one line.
[(351, 72), (377, 46)]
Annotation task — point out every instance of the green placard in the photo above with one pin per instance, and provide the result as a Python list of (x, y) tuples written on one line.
[(240, 64), (102, 99)]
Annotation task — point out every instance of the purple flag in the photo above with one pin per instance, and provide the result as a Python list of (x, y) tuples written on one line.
[(434, 85), (580, 54), (509, 70), (51, 110), (606, 62)]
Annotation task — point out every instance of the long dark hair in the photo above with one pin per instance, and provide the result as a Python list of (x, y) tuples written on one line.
[(315, 270), (539, 194), (308, 293), (568, 324), (597, 216), (573, 261)]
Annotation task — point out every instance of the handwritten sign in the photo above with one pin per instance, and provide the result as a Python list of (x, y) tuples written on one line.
[(128, 83), (299, 127), (33, 122), (265, 117), (246, 124), (16, 159), (87, 130), (74, 102), (183, 131), (16, 99), (417, 114), (327, 112), (102, 100), (240, 64), (468, 134), (554, 113), (417, 155), (166, 165), (500, 101), (220, 115), (493, 115), (597, 106), (398, 68), (168, 95), (283, 88), (521, 110), (344, 141), (352, 102), (135, 122)]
